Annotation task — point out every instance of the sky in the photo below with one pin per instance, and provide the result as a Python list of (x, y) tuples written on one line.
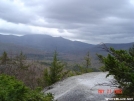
[(90, 21)]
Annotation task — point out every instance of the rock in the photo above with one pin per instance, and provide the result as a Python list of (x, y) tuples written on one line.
[(86, 87)]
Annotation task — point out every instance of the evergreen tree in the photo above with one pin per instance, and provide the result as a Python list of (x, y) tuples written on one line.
[(87, 59), (47, 80), (4, 58), (55, 72), (20, 59), (85, 68), (120, 63)]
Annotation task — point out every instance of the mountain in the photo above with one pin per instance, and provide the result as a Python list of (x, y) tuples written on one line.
[(45, 43), (117, 46), (13, 49)]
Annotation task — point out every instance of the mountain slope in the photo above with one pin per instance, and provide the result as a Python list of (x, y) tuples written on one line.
[(45, 45), (45, 42), (13, 49)]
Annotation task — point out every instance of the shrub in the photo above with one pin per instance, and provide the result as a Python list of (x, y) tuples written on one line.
[(14, 90)]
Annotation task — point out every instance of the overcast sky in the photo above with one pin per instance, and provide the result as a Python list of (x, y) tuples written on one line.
[(91, 21)]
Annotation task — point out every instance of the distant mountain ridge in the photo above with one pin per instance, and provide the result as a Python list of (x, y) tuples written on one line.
[(45, 42), (40, 44)]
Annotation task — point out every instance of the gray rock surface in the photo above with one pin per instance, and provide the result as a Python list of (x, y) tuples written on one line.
[(83, 88)]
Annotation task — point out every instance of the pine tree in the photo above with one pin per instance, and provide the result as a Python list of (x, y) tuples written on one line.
[(85, 68), (46, 78), (4, 58), (87, 59), (120, 63), (20, 61), (56, 71)]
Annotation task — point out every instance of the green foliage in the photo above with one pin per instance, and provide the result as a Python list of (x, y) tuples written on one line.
[(131, 51), (120, 63), (55, 72), (14, 90), (87, 59), (85, 68), (79, 69), (20, 61), (4, 58), (71, 73), (47, 78), (22, 69)]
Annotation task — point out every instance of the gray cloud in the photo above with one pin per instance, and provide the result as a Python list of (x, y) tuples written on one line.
[(89, 20), (12, 12)]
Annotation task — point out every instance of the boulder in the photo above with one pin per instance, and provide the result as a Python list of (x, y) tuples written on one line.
[(92, 86)]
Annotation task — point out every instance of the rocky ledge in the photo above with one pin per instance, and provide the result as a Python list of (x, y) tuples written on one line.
[(87, 87)]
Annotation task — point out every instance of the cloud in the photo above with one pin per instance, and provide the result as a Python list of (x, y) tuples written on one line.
[(89, 20), (15, 12)]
